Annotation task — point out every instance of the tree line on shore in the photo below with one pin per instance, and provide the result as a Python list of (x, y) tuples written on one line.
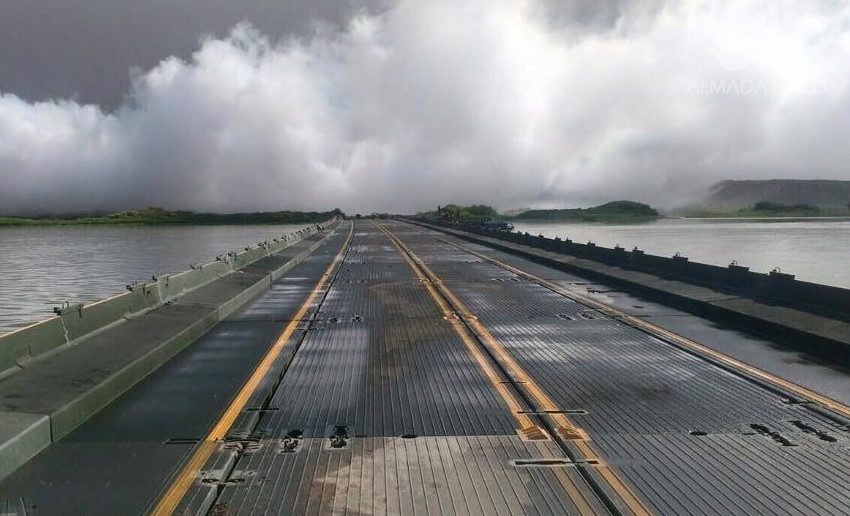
[(160, 216)]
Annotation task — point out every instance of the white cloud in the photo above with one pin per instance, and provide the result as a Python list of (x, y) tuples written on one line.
[(494, 101)]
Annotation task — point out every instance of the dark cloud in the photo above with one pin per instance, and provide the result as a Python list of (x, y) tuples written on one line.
[(597, 15), (446, 101), (84, 49)]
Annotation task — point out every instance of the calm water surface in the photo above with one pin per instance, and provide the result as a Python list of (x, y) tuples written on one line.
[(42, 266), (816, 251)]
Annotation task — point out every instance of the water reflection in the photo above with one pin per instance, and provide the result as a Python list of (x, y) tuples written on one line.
[(813, 251), (42, 266)]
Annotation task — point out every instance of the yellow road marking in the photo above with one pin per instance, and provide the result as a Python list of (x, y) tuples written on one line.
[(563, 424), (665, 334), (526, 425), (169, 501)]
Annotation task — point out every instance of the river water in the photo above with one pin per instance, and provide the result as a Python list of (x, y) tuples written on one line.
[(816, 251), (40, 267)]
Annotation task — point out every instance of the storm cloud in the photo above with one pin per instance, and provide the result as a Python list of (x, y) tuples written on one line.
[(512, 103)]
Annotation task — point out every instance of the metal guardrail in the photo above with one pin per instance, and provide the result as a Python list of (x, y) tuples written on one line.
[(74, 323), (774, 287)]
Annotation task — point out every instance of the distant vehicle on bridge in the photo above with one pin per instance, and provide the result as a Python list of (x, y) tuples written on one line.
[(493, 224)]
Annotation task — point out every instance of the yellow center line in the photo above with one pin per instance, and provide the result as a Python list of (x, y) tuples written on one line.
[(665, 334), (527, 427), (181, 483)]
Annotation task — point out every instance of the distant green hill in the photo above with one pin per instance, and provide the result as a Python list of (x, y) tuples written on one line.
[(727, 197), (773, 209), (616, 211), (155, 216)]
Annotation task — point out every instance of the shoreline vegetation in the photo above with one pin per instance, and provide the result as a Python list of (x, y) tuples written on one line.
[(771, 210), (614, 212), (160, 216), (631, 212)]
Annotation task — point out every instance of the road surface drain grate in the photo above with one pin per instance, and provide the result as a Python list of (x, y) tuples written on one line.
[(182, 440), (409, 436), (236, 478), (776, 436), (549, 463), (698, 433), (820, 434)]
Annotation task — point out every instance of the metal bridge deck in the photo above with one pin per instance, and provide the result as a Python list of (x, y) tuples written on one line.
[(691, 437), (409, 385)]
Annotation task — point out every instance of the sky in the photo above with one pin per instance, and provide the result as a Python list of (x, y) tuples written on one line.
[(400, 105)]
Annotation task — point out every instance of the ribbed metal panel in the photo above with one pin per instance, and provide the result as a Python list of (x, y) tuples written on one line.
[(12, 507), (118, 461), (426, 430), (393, 475), (648, 403), (732, 474), (388, 380)]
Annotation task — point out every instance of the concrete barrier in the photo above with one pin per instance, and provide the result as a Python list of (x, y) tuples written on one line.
[(773, 287), (772, 305), (42, 402), (74, 323)]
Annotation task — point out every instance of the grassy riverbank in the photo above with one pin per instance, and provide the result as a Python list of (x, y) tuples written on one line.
[(159, 216), (613, 212), (769, 210), (623, 212)]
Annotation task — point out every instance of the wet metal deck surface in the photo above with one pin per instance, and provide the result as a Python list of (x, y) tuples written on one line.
[(379, 404), (690, 436)]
